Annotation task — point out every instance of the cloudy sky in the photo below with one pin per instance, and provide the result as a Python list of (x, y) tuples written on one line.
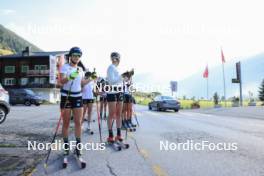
[(163, 39)]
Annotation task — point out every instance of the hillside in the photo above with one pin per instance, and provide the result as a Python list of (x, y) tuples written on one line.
[(12, 43)]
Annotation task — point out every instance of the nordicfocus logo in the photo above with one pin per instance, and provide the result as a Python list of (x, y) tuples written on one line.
[(190, 145), (59, 145)]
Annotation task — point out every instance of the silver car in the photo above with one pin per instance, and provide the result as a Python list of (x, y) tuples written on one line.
[(4, 104), (163, 103)]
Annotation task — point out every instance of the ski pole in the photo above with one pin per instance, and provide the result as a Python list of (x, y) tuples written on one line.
[(98, 118), (58, 124), (133, 108), (123, 102)]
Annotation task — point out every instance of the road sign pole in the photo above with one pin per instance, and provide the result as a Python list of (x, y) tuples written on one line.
[(240, 85)]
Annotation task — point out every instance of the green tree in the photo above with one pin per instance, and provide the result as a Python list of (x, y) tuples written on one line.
[(261, 91)]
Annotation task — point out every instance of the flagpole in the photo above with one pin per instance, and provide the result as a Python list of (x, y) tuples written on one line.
[(207, 89), (223, 67)]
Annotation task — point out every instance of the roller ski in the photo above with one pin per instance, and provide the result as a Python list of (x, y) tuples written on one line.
[(90, 132), (65, 159), (120, 142), (113, 144), (126, 126), (130, 127), (78, 156)]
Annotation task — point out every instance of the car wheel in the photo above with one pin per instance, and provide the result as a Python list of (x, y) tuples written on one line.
[(27, 103), (176, 110), (37, 104), (158, 108), (2, 115)]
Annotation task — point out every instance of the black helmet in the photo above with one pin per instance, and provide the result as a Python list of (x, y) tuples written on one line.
[(115, 55), (75, 50)]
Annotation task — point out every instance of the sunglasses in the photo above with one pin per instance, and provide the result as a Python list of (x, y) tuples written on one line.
[(76, 55)]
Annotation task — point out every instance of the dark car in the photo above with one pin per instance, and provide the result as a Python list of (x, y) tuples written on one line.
[(24, 96), (4, 104), (162, 103)]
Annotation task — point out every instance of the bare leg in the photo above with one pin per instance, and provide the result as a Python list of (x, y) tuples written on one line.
[(66, 113), (118, 114), (78, 114), (90, 109), (112, 110)]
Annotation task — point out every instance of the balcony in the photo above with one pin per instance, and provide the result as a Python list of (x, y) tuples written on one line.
[(37, 85), (38, 73)]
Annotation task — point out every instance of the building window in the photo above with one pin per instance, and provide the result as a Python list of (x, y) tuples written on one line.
[(36, 80), (9, 69), (9, 81), (41, 67), (24, 68), (43, 80), (24, 81)]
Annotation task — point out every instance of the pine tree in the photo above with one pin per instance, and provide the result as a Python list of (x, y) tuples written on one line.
[(261, 91)]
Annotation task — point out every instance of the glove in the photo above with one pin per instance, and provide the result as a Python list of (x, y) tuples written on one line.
[(73, 75), (94, 75)]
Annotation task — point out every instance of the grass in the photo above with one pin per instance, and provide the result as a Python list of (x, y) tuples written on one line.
[(186, 104), (7, 145)]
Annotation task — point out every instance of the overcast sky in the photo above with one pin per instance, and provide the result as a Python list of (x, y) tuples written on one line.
[(167, 39)]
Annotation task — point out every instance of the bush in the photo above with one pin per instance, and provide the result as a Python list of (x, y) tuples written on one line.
[(195, 105)]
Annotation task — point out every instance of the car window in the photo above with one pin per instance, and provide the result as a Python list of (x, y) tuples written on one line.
[(30, 92), (167, 98), (157, 98)]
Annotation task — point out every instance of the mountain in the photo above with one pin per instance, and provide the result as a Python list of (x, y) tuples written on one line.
[(12, 43), (252, 69)]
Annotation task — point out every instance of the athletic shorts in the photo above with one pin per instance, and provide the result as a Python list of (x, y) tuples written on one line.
[(86, 101), (114, 97), (103, 99), (72, 102), (128, 98)]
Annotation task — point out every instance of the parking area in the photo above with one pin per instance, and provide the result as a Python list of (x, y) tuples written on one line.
[(25, 124)]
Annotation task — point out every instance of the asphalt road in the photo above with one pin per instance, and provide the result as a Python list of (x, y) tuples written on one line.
[(146, 156)]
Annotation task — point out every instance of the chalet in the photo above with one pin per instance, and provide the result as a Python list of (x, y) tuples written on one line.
[(37, 71)]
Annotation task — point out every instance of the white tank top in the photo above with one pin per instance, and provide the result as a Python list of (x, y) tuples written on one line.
[(87, 92), (73, 86)]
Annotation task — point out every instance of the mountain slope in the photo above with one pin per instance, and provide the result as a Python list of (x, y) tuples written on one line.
[(9, 41)]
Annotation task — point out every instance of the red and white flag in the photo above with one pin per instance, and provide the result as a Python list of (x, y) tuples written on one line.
[(206, 72)]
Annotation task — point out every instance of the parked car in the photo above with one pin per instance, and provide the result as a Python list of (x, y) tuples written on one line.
[(163, 103), (24, 96), (4, 104)]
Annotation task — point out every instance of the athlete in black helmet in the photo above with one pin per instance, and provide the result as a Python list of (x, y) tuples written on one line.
[(72, 79)]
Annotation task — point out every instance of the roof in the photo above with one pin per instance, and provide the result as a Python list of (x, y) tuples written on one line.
[(34, 54)]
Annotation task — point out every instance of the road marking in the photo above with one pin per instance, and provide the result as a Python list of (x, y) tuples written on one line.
[(158, 171), (144, 153)]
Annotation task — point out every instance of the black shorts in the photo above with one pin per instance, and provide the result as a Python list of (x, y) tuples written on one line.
[(72, 102), (128, 98), (103, 99), (86, 101), (114, 97)]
